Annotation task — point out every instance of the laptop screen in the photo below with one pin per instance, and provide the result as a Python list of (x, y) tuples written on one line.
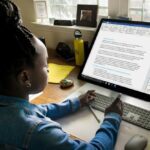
[(120, 58)]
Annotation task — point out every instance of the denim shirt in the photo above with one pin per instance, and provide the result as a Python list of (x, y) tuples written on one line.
[(25, 126)]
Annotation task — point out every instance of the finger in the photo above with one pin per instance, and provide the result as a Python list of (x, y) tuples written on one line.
[(90, 91), (117, 99), (119, 104), (119, 96), (91, 97), (122, 106)]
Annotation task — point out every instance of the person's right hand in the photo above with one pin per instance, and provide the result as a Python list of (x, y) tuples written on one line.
[(116, 107)]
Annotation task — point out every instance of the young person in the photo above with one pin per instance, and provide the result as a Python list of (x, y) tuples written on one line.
[(23, 71)]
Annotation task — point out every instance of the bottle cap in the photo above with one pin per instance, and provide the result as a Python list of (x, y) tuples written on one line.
[(77, 33)]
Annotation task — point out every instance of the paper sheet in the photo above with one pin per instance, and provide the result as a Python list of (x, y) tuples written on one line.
[(58, 72)]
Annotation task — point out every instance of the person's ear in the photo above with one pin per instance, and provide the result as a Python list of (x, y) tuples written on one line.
[(24, 78)]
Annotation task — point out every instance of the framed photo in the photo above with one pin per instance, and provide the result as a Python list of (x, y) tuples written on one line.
[(87, 15), (41, 9)]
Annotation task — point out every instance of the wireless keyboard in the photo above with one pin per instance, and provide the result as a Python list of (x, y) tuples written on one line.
[(132, 114)]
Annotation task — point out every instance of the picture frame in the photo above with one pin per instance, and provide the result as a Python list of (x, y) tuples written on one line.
[(41, 9), (87, 15)]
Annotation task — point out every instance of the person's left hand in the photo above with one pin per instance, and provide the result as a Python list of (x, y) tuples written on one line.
[(87, 97)]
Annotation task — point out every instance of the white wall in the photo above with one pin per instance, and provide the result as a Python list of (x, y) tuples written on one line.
[(27, 10), (52, 34)]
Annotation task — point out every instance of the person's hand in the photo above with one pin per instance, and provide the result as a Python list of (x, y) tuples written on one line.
[(87, 97), (116, 107)]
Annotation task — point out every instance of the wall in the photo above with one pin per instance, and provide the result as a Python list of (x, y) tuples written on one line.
[(27, 11), (52, 34)]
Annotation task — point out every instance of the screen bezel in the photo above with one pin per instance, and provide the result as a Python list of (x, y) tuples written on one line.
[(117, 88)]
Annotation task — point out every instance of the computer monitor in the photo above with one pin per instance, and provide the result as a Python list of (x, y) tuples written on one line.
[(119, 58)]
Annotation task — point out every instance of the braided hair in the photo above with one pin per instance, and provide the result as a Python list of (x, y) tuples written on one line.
[(16, 46)]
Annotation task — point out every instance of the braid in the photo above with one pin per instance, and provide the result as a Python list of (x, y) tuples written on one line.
[(9, 13), (17, 49)]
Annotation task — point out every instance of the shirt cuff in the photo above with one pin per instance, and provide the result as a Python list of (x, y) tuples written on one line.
[(75, 104), (114, 115)]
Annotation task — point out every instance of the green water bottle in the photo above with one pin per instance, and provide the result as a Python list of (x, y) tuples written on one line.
[(78, 48)]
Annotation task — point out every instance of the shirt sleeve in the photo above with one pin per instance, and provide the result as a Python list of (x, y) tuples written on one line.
[(55, 111), (106, 136), (51, 136)]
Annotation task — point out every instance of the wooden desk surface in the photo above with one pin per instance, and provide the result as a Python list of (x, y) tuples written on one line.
[(53, 92)]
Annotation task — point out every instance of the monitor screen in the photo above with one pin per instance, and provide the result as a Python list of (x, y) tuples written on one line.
[(119, 58)]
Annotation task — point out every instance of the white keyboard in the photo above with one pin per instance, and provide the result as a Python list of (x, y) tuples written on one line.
[(132, 114)]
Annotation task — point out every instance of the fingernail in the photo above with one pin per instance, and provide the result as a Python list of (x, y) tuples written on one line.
[(119, 95)]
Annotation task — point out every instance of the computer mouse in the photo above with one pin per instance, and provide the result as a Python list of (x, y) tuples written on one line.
[(137, 142)]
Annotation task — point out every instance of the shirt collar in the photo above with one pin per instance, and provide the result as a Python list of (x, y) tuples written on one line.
[(11, 99)]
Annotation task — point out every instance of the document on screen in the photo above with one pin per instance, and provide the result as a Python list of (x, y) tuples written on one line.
[(121, 55)]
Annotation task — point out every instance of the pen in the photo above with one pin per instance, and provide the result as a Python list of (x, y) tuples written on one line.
[(91, 109)]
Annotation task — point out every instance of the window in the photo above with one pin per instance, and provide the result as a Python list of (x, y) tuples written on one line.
[(66, 9), (139, 10)]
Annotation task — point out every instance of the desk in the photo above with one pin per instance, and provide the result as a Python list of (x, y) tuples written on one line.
[(53, 93)]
